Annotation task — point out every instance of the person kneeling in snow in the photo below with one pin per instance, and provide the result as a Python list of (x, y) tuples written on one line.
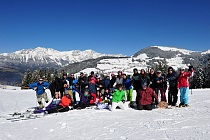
[(145, 96), (118, 98)]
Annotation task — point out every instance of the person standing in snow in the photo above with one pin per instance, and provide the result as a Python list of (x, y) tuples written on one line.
[(143, 77), (172, 77), (82, 82), (145, 97), (136, 80), (113, 80), (73, 87), (118, 97), (65, 80), (127, 84), (40, 88), (183, 86), (56, 87), (119, 79), (152, 78), (92, 87), (161, 85)]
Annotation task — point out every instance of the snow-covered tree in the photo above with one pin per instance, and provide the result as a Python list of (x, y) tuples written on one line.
[(162, 66), (207, 75), (27, 78), (35, 75), (199, 77), (48, 75)]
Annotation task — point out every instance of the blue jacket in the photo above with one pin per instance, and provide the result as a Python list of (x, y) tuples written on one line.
[(40, 87), (106, 83), (127, 83), (74, 82)]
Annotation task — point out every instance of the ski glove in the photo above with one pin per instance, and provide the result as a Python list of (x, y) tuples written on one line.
[(35, 88)]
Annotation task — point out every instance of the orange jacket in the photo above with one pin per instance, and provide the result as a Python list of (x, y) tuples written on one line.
[(65, 101)]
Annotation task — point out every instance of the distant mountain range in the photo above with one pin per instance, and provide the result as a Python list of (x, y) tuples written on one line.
[(13, 65)]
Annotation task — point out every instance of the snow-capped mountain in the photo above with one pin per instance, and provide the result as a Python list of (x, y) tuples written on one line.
[(149, 57), (42, 55)]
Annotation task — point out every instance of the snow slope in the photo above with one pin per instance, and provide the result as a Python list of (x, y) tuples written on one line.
[(159, 124)]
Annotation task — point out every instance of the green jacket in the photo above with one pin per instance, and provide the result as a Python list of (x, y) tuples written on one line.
[(118, 95)]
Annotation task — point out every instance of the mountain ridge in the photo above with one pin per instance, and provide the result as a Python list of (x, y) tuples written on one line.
[(16, 63)]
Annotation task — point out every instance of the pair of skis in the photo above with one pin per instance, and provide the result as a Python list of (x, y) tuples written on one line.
[(18, 116)]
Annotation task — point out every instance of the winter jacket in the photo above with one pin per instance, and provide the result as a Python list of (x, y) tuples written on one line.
[(119, 80), (127, 83), (162, 84), (144, 78), (183, 80), (106, 83), (152, 78), (172, 78), (144, 97), (83, 81), (112, 81), (118, 95), (136, 81), (40, 88), (73, 84), (65, 101)]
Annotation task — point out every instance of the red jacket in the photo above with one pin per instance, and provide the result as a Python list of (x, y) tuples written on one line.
[(183, 80), (65, 101), (144, 97)]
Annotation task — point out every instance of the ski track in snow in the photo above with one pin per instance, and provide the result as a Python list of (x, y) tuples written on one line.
[(90, 124)]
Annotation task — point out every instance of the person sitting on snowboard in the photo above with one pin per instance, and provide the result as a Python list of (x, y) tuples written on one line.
[(145, 96), (40, 87), (118, 98)]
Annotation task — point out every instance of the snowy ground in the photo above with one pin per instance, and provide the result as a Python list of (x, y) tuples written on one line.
[(159, 124)]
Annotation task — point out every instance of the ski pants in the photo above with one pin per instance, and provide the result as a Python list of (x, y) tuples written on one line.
[(184, 95), (145, 107), (39, 99), (129, 94), (162, 93), (172, 96), (117, 104)]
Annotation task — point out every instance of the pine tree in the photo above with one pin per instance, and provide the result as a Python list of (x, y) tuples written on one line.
[(207, 75), (35, 75), (162, 66), (55, 74), (40, 74), (48, 75), (27, 78), (199, 77)]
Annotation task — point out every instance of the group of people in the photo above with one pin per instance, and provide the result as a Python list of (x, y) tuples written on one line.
[(140, 90)]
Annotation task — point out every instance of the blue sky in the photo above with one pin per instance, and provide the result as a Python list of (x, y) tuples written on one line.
[(105, 26)]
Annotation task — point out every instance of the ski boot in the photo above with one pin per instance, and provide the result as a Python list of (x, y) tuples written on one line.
[(181, 105)]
